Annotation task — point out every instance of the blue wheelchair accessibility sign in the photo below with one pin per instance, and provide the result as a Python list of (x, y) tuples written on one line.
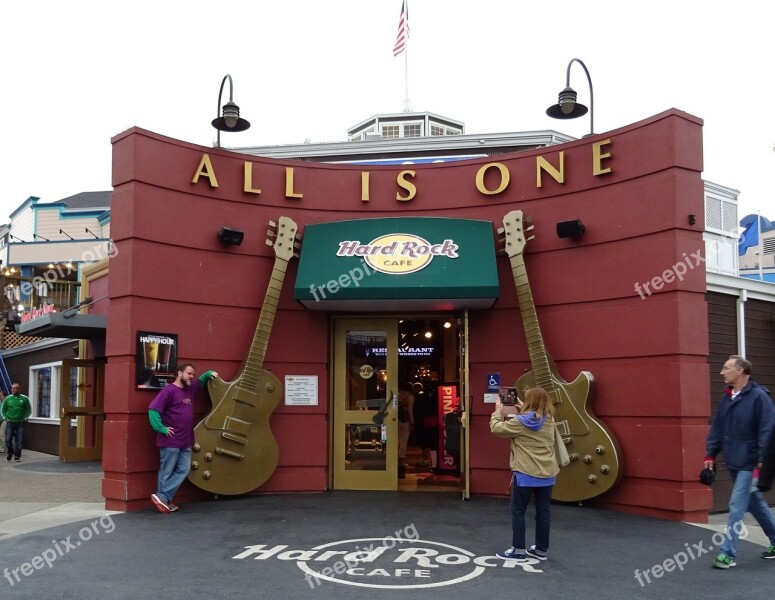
[(493, 382)]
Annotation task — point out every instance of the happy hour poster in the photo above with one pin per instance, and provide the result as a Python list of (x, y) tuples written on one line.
[(155, 358)]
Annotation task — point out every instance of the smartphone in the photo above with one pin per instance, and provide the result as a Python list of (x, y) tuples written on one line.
[(508, 396)]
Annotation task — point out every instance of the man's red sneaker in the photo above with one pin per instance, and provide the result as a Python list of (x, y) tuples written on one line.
[(160, 504)]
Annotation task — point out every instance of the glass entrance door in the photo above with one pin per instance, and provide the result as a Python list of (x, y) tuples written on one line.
[(365, 433)]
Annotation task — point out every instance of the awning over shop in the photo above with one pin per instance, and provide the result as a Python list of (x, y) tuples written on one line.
[(398, 263), (65, 325)]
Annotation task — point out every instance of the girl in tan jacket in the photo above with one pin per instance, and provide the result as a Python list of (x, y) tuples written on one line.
[(534, 470)]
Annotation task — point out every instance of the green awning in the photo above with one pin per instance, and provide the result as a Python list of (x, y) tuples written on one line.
[(398, 263)]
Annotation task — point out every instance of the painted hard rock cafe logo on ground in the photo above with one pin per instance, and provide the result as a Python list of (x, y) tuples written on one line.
[(398, 253), (386, 563)]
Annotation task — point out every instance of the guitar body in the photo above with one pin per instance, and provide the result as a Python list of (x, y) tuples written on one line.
[(235, 450), (594, 467)]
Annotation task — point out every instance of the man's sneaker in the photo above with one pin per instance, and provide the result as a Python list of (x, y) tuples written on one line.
[(18, 459), (160, 504), (536, 553), (723, 561), (172, 507), (9, 457), (769, 552), (512, 554)]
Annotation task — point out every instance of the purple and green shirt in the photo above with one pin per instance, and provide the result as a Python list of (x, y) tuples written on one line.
[(175, 407)]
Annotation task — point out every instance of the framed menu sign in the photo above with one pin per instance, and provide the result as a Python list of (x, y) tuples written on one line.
[(301, 390), (155, 359)]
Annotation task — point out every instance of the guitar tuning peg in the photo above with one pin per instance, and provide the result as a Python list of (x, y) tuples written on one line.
[(532, 237), (297, 245), (295, 255), (269, 243), (528, 219), (500, 230), (270, 233), (272, 224), (530, 228)]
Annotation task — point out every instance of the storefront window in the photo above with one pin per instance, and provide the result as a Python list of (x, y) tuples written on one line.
[(44, 391)]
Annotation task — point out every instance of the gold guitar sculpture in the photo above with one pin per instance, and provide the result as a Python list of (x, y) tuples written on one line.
[(234, 449), (595, 456)]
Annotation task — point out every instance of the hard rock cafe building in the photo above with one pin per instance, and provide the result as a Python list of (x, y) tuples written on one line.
[(317, 290)]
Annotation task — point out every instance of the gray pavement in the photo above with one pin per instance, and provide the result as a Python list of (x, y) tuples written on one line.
[(40, 492), (57, 541)]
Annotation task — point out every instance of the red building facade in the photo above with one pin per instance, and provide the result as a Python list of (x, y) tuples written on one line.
[(626, 301)]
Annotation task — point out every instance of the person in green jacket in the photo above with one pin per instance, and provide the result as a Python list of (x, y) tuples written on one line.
[(16, 409)]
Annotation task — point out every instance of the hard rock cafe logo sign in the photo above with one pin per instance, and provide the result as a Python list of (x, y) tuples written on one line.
[(38, 312), (385, 563), (398, 253)]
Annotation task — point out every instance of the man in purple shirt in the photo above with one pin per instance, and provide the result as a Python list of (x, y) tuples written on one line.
[(171, 414)]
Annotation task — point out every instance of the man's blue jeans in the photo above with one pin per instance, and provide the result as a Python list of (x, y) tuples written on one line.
[(174, 465), (14, 439), (746, 498), (520, 498)]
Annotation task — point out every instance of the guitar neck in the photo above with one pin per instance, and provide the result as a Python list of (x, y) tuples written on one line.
[(539, 359), (255, 359)]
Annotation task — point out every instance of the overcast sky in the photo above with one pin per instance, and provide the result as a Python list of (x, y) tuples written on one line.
[(77, 73)]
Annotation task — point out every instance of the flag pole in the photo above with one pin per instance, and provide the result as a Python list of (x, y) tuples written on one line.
[(402, 45), (761, 244), (407, 104)]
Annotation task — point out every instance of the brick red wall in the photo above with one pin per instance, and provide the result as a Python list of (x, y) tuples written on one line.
[(648, 354)]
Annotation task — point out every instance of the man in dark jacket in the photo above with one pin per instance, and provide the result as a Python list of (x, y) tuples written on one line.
[(741, 430), (767, 472)]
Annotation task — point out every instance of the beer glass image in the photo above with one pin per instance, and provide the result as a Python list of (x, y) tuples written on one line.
[(151, 354), (164, 356)]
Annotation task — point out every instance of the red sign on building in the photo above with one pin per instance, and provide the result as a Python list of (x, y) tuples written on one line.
[(449, 427)]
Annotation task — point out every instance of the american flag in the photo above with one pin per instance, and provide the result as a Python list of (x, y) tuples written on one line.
[(403, 31)]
